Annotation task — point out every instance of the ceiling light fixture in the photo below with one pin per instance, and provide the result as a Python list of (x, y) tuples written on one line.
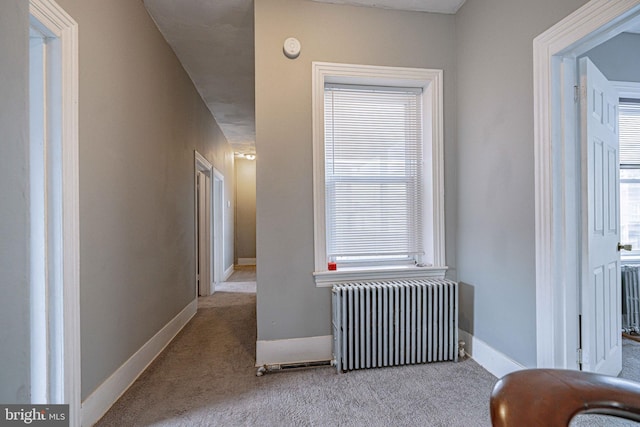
[(250, 156)]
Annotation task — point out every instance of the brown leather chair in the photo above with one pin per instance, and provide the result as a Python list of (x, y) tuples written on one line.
[(552, 397)]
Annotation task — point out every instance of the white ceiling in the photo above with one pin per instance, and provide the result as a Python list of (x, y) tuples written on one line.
[(213, 40)]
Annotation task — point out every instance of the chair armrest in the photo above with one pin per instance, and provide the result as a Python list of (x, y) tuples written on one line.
[(552, 397)]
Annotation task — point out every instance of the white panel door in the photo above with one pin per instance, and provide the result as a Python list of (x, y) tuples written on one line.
[(600, 294)]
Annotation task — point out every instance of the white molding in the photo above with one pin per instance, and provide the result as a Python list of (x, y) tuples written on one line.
[(54, 18), (227, 273), (296, 350), (49, 14), (325, 279), (247, 261), (218, 251), (217, 174), (627, 89), (202, 162), (99, 402), (557, 257), (497, 363)]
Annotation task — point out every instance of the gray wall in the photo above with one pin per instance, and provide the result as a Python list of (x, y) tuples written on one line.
[(14, 228), (140, 121), (289, 305), (245, 208), (618, 58), (495, 217)]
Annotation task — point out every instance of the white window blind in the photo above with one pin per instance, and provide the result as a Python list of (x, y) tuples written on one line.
[(629, 119), (373, 174)]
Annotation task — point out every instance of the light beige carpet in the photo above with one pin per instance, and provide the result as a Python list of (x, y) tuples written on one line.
[(206, 377)]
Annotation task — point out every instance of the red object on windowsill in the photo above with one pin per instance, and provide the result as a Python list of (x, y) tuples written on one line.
[(332, 266)]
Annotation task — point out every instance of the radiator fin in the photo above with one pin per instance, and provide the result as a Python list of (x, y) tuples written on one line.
[(389, 323), (631, 299)]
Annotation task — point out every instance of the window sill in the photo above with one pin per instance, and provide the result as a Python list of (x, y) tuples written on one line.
[(630, 260), (325, 279)]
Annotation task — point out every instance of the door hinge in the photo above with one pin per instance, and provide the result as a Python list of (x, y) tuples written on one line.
[(576, 94), (579, 355)]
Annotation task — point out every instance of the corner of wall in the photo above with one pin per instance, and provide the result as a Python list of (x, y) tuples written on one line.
[(489, 358)]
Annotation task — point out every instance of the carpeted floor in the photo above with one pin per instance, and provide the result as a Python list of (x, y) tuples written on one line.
[(631, 360), (630, 371), (243, 273), (206, 377)]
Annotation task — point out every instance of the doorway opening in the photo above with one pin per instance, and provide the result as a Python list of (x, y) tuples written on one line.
[(245, 212), (209, 226), (559, 186)]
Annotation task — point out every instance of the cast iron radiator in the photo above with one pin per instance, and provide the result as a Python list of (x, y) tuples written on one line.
[(630, 299), (400, 322)]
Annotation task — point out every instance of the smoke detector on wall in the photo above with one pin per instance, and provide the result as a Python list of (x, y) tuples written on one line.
[(291, 48)]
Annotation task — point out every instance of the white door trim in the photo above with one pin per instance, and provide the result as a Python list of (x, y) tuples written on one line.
[(217, 185), (201, 164), (48, 14), (557, 178)]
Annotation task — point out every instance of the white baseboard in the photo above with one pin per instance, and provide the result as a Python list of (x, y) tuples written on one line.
[(227, 273), (246, 261), (296, 350), (99, 402), (212, 288), (489, 358)]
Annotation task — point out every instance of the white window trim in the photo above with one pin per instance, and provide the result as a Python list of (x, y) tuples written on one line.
[(431, 83), (628, 90)]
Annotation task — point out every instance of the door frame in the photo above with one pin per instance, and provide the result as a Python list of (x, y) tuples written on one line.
[(64, 35), (203, 165), (217, 188), (558, 162)]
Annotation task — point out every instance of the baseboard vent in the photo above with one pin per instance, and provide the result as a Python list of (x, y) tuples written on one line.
[(292, 367)]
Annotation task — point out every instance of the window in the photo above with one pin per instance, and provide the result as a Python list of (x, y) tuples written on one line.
[(373, 175), (629, 124), (377, 172)]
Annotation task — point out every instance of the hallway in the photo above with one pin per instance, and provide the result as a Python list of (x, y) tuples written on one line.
[(211, 359)]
